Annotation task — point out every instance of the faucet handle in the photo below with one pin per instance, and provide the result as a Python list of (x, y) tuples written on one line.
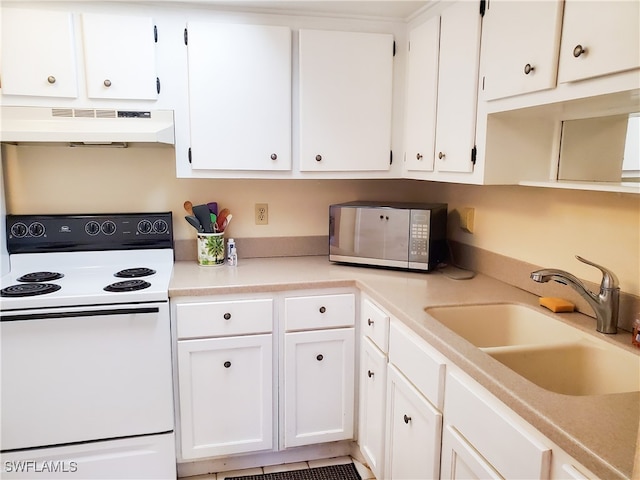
[(609, 279)]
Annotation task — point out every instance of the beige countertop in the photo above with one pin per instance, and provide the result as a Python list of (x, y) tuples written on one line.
[(599, 431)]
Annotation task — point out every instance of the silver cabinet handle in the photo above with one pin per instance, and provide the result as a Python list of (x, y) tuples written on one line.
[(51, 79), (528, 69), (107, 83), (579, 50)]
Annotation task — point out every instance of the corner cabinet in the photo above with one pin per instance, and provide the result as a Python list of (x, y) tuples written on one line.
[(440, 130), (374, 345), (118, 61), (239, 96), (345, 101)]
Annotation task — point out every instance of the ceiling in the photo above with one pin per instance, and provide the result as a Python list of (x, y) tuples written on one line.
[(392, 9)]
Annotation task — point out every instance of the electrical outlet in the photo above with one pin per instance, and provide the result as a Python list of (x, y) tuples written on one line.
[(262, 214)]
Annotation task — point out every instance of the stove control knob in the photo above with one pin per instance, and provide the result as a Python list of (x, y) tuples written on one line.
[(108, 227), (92, 228), (160, 226), (36, 229), (19, 230), (145, 226)]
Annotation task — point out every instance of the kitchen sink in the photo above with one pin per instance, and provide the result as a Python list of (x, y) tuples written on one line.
[(503, 324), (553, 355)]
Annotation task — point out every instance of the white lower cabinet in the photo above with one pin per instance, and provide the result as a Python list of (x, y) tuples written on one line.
[(504, 446), (262, 374), (225, 395), (224, 376), (461, 461), (414, 429), (319, 393), (373, 389)]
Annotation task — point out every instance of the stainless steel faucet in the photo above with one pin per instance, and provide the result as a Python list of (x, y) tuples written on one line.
[(605, 304)]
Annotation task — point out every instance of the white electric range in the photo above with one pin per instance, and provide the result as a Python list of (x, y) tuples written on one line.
[(86, 347)]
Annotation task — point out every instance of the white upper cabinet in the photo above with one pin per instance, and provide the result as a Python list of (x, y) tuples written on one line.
[(442, 89), (599, 38), (345, 101), (120, 56), (457, 87), (239, 96), (520, 42), (422, 90), (40, 49), (38, 53)]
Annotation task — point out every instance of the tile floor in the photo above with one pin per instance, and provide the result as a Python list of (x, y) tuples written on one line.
[(364, 472)]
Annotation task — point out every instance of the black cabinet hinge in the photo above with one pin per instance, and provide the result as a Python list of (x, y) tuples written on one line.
[(394, 48), (158, 85), (483, 7), (189, 154), (155, 33), (186, 37), (391, 157), (474, 152)]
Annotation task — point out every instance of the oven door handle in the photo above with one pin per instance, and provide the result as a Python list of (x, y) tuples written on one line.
[(80, 313)]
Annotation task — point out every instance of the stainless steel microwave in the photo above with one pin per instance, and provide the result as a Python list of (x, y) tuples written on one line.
[(411, 236)]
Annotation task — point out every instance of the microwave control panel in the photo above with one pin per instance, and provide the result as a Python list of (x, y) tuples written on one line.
[(419, 236)]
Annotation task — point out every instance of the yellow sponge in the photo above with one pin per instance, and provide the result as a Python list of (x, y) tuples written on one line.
[(557, 304)]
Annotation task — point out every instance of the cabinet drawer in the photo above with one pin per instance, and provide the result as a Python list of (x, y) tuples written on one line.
[(495, 432), (217, 319), (375, 324), (319, 311), (424, 367)]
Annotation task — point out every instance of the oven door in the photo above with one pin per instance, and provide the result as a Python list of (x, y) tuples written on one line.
[(85, 373)]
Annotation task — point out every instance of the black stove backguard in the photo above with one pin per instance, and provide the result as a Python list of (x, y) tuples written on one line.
[(90, 232)]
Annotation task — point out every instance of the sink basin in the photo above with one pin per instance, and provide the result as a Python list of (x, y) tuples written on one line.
[(581, 368), (503, 324), (553, 355)]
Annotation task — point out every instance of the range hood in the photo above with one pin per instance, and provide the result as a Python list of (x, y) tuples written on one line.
[(85, 126)]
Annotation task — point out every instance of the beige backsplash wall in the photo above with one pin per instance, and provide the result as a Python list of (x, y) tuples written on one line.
[(544, 227)]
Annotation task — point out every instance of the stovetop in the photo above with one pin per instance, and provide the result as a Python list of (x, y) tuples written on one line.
[(63, 260)]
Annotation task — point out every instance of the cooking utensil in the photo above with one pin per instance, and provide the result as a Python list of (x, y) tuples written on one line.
[(227, 221), (188, 206), (213, 218), (221, 217), (195, 223), (213, 207), (203, 215)]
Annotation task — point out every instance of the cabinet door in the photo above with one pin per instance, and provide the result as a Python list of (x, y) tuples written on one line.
[(520, 43), (422, 94), (119, 56), (599, 38), (457, 87), (38, 53), (240, 96), (461, 461), (225, 391), (373, 387), (345, 100), (414, 429), (318, 386)]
